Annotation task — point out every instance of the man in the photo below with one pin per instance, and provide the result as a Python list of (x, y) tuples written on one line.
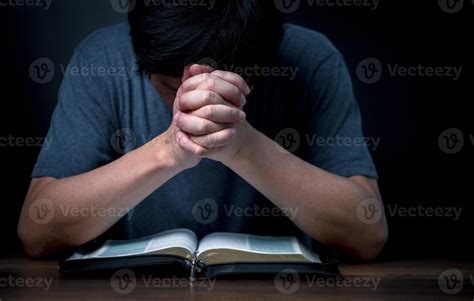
[(180, 141)]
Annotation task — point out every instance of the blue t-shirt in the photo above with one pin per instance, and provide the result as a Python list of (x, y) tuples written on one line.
[(107, 108)]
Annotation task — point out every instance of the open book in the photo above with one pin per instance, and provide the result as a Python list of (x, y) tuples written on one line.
[(215, 255)]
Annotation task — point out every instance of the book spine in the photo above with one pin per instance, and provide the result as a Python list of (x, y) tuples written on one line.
[(192, 277)]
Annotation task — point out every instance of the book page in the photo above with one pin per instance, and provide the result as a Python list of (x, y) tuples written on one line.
[(178, 238), (271, 245)]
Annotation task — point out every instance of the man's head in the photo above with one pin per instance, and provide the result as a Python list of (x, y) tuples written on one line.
[(168, 36)]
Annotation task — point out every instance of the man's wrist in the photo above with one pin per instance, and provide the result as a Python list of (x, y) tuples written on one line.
[(164, 153), (248, 144)]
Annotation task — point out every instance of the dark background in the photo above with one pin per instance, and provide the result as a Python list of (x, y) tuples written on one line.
[(407, 113)]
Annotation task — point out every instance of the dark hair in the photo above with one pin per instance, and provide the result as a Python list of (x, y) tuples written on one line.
[(166, 36)]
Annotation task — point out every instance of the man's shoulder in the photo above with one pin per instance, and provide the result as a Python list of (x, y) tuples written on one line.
[(304, 46), (112, 42)]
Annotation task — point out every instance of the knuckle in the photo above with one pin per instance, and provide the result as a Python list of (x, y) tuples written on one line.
[(204, 126), (206, 96), (183, 99), (227, 135), (236, 114), (211, 111), (200, 151), (200, 127), (184, 87), (179, 119), (211, 141), (210, 83), (204, 77), (217, 72), (235, 91)]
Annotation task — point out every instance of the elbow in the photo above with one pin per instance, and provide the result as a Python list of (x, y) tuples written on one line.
[(373, 244), (37, 241), (34, 252), (31, 246)]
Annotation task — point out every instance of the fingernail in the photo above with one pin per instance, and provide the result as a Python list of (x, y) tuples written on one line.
[(244, 101), (242, 116)]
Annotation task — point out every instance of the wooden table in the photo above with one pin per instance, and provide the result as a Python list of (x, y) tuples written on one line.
[(23, 279)]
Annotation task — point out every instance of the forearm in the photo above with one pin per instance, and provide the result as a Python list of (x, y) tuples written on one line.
[(86, 205), (325, 203)]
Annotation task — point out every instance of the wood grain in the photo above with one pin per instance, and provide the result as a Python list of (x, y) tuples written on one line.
[(24, 279)]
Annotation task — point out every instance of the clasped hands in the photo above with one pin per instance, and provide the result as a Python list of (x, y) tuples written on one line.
[(209, 121)]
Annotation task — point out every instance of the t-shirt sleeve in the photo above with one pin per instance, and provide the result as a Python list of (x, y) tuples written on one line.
[(336, 143), (79, 136)]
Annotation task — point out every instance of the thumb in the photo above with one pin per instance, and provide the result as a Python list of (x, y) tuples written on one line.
[(200, 69), (193, 70), (186, 73)]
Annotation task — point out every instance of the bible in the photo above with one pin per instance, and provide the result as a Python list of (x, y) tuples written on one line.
[(217, 254)]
